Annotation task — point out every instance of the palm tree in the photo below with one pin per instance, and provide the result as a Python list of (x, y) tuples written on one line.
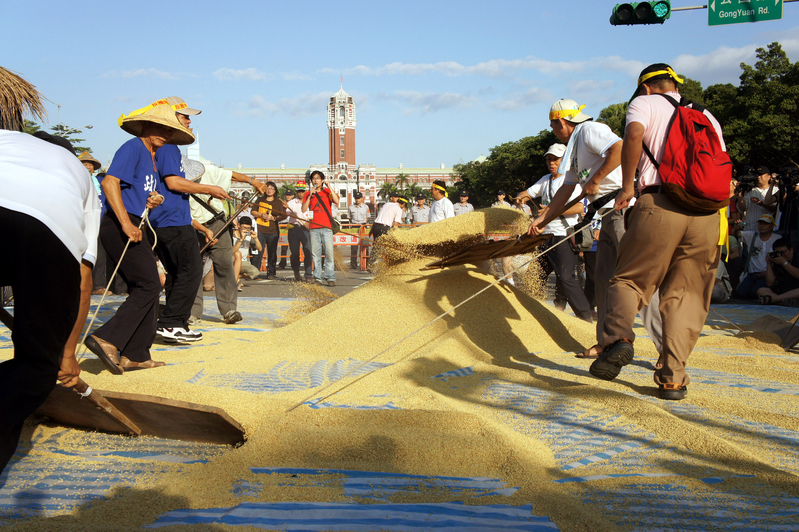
[(402, 180), (386, 189), (414, 189)]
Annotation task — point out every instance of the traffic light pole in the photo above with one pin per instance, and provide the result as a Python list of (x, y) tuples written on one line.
[(705, 6)]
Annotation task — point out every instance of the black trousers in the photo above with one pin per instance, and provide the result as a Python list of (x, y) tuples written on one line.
[(179, 253), (589, 258), (103, 270), (563, 261), (269, 242), (132, 329), (299, 236), (46, 301)]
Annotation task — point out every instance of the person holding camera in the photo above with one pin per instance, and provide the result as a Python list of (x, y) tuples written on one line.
[(760, 199), (317, 202), (243, 241), (782, 276), (756, 246)]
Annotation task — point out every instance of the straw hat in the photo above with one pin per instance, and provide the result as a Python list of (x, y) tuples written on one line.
[(194, 170), (86, 157), (17, 97), (163, 115)]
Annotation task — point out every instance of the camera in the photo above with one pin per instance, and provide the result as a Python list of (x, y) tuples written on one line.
[(746, 182), (788, 178), (774, 254)]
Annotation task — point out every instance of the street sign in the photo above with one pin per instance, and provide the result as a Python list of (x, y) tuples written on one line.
[(720, 12)]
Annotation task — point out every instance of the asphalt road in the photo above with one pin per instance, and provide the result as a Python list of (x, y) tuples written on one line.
[(283, 286)]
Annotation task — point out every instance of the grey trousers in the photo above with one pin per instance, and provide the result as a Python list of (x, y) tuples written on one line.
[(227, 295), (606, 254)]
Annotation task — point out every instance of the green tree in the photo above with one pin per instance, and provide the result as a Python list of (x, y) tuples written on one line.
[(402, 180), (615, 116), (69, 133), (285, 187), (386, 189), (691, 89), (30, 127), (512, 166), (760, 118), (414, 189)]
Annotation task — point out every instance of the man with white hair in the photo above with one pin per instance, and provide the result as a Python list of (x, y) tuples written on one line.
[(560, 258)]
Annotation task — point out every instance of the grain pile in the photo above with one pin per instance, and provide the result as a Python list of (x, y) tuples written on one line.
[(460, 427)]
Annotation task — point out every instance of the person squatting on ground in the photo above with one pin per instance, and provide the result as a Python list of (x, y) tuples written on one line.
[(317, 202), (50, 303), (560, 258), (243, 241), (782, 276), (757, 246), (267, 213), (592, 160), (667, 246), (208, 224), (358, 214), (298, 234), (130, 187), (177, 246), (442, 207)]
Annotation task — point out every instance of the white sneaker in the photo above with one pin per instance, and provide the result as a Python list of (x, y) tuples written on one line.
[(173, 335)]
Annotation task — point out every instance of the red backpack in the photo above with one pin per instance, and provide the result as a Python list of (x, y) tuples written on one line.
[(695, 171)]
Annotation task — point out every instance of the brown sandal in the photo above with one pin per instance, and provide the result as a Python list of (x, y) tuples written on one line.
[(129, 364), (106, 352), (596, 348)]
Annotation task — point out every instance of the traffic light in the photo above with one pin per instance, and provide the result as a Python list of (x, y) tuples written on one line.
[(655, 12)]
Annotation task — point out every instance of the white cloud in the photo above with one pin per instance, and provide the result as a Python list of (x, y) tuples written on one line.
[(523, 100), (722, 65), (430, 102), (295, 107), (144, 73), (253, 74)]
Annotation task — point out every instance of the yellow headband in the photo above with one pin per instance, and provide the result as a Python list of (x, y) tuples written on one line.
[(442, 189), (137, 112), (403, 200), (673, 75), (565, 113)]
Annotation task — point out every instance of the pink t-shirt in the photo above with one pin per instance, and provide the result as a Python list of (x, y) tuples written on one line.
[(654, 112)]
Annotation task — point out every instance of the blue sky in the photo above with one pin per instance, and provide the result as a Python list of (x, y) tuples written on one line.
[(434, 82)]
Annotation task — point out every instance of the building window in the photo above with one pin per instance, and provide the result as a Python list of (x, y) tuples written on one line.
[(342, 154), (342, 140)]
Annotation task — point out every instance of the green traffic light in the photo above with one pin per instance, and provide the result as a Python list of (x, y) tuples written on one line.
[(641, 13)]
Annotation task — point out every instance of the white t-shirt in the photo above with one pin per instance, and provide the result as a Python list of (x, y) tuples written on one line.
[(757, 250), (390, 212), (753, 210), (213, 176), (592, 143), (441, 210), (542, 190), (654, 112), (48, 183)]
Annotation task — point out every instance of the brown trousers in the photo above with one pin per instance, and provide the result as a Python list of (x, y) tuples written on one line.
[(676, 250)]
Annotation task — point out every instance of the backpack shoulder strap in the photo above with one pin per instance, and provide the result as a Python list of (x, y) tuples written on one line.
[(676, 105)]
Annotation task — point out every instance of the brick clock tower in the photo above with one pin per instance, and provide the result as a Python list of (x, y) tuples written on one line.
[(341, 134)]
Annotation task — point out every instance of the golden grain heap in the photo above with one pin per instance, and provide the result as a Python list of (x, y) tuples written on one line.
[(457, 427)]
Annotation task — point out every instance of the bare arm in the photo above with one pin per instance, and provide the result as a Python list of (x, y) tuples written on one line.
[(611, 162), (209, 235), (257, 185), (630, 154), (183, 185)]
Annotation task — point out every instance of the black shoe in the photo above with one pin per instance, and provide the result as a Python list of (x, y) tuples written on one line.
[(270, 277), (613, 358), (297, 277), (672, 392)]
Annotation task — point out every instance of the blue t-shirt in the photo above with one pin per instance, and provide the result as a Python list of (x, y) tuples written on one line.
[(175, 210), (133, 166)]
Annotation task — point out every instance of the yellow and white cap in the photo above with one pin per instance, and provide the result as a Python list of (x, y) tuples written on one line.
[(569, 111)]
